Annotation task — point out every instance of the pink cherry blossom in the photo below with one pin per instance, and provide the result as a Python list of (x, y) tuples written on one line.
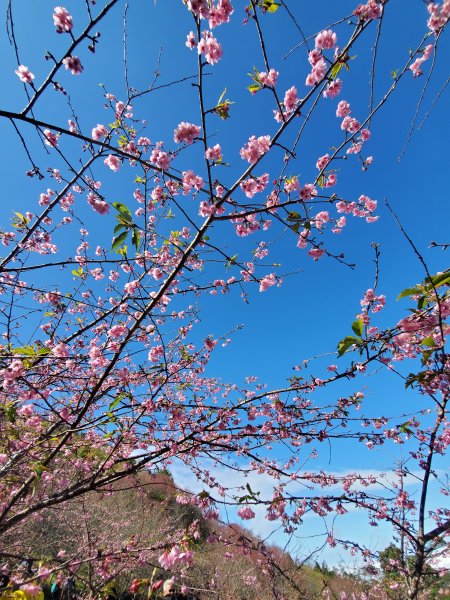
[(246, 513), (191, 181), (415, 67), (186, 132), (62, 20), (210, 48), (326, 39), (314, 56), (316, 253), (371, 10), (131, 287), (214, 153), (156, 273), (160, 158), (290, 99), (333, 89), (32, 589), (99, 132), (269, 79), (343, 109), (253, 185), (255, 148), (267, 281), (210, 343), (117, 331), (113, 162), (308, 192), (317, 73), (350, 124), (291, 185), (51, 139), (73, 64), (220, 13), (322, 161), (98, 204), (61, 350), (24, 74), (156, 353), (439, 15), (370, 204), (330, 180), (97, 273), (199, 8), (191, 42)]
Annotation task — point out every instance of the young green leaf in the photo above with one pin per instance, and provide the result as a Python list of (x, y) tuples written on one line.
[(346, 343), (119, 240), (357, 327)]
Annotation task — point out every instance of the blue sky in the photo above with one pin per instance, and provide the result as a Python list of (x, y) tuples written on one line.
[(315, 306)]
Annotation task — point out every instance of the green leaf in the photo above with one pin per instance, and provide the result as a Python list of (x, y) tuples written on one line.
[(408, 292), (245, 498), (77, 272), (270, 6), (394, 74), (346, 343), (119, 240), (136, 238), (39, 469), (357, 327), (10, 413), (123, 210), (254, 87), (231, 261), (335, 70), (25, 351), (115, 402), (441, 279), (405, 428), (119, 227), (426, 356), (43, 351), (221, 96)]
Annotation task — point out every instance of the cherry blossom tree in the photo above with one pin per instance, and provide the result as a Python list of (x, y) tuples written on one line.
[(104, 363)]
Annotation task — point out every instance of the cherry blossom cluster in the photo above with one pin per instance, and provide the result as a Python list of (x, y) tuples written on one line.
[(369, 11), (217, 13), (254, 185), (208, 45), (325, 40), (416, 66), (439, 15), (186, 132), (290, 103), (255, 148)]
